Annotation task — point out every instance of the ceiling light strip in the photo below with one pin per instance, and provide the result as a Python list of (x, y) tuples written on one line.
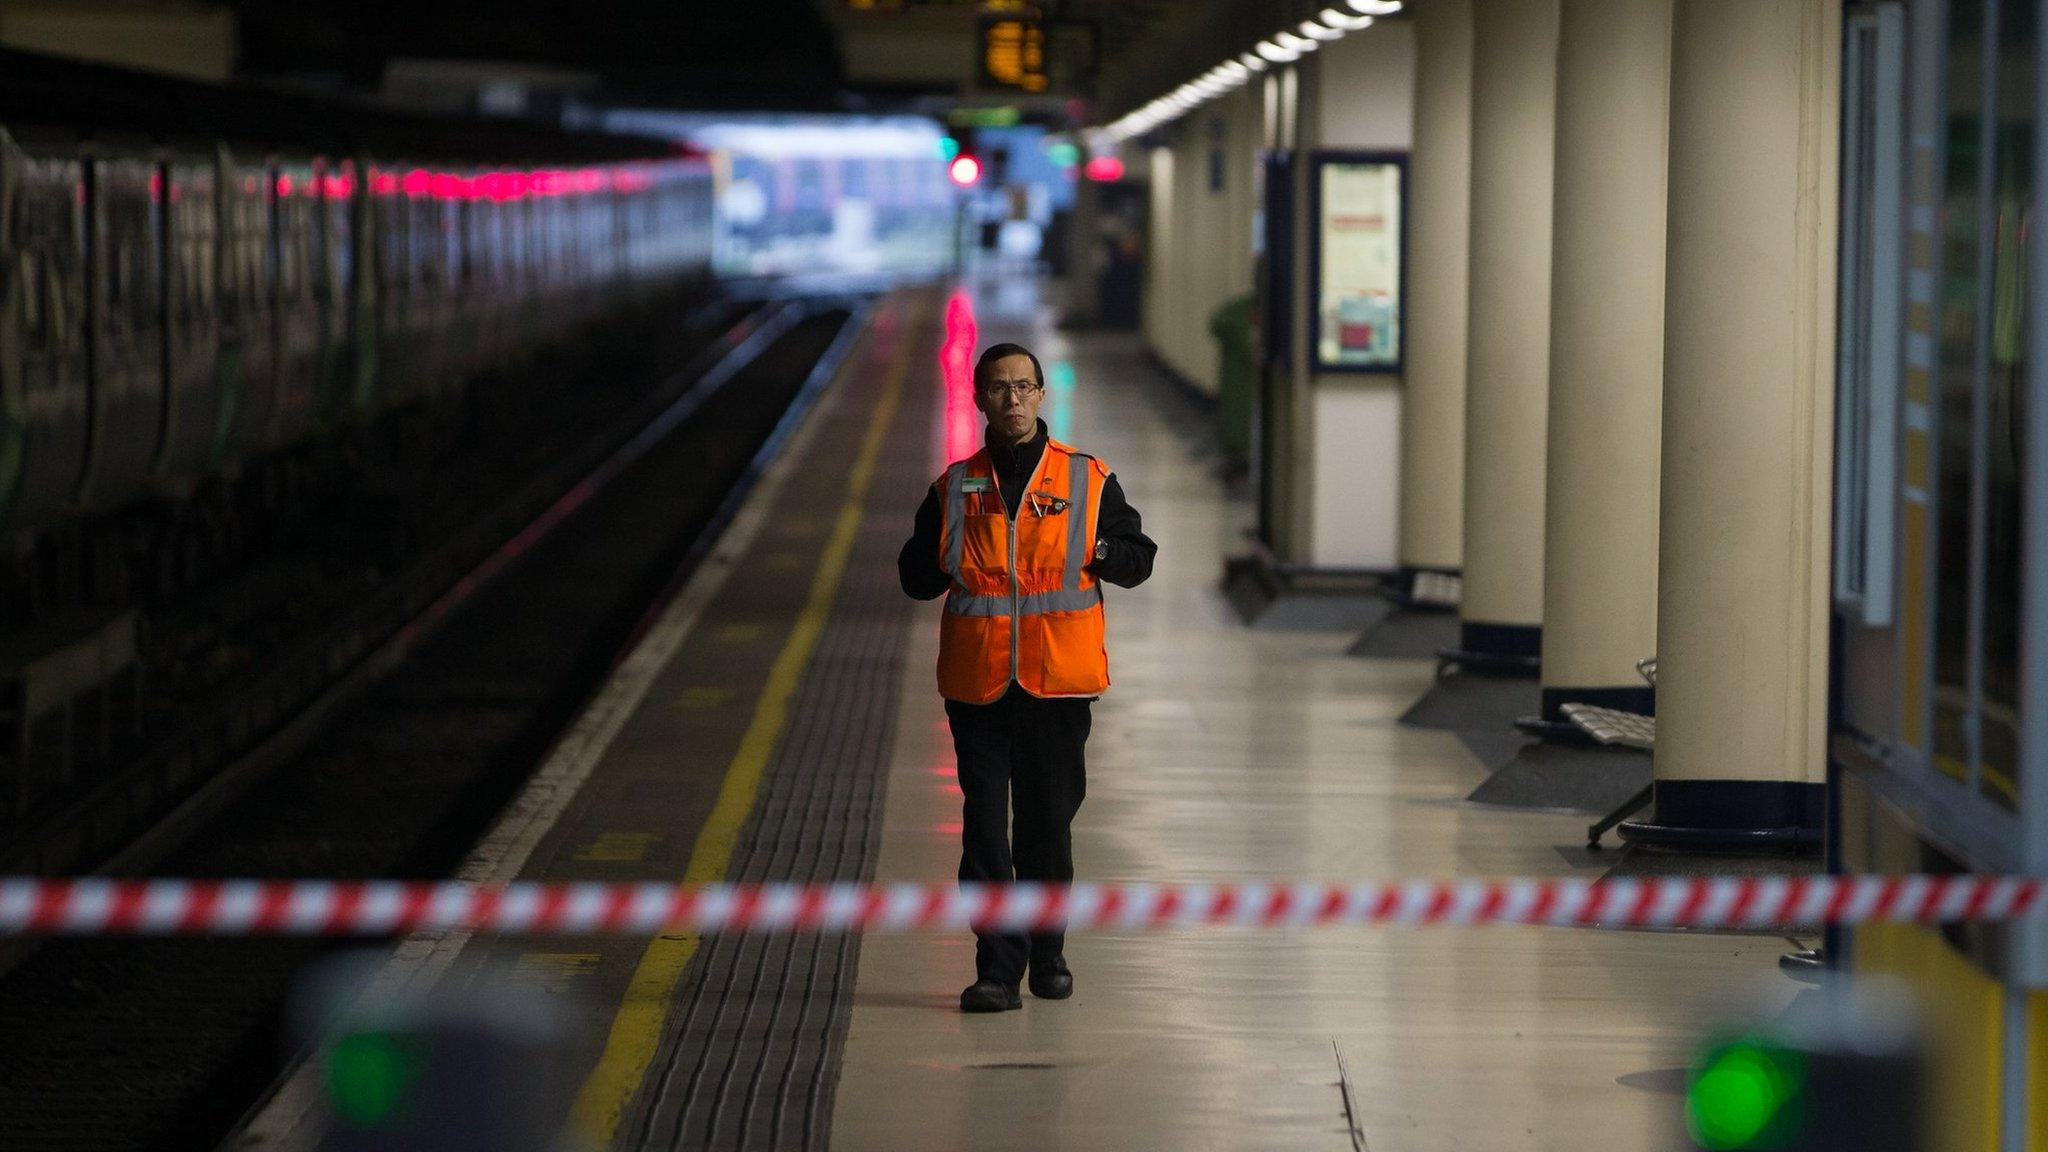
[(1283, 47)]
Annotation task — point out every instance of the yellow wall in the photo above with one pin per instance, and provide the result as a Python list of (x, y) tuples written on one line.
[(2037, 1072), (1960, 1007)]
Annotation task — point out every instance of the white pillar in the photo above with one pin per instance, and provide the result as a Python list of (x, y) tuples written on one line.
[(1432, 513), (1606, 353), (1749, 315), (1514, 90)]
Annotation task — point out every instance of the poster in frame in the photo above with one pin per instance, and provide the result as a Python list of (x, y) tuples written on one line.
[(1358, 260)]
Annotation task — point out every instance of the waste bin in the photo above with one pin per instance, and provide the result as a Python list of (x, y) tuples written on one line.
[(1231, 325)]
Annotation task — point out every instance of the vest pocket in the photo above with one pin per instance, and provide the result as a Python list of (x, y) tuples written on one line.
[(1042, 547)]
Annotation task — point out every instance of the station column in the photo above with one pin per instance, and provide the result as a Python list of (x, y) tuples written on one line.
[(1433, 408), (1606, 353), (1748, 394), (1514, 89)]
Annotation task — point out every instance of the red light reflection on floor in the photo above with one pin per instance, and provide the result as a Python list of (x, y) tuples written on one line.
[(956, 366)]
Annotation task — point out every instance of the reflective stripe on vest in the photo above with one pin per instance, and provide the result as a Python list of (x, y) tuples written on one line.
[(1079, 547), (1066, 600), (956, 519)]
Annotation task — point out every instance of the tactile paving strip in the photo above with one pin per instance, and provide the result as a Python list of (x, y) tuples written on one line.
[(753, 1048)]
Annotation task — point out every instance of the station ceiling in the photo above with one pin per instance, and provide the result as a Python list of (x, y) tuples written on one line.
[(743, 54)]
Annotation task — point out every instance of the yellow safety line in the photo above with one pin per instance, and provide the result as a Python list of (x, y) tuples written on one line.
[(636, 1030)]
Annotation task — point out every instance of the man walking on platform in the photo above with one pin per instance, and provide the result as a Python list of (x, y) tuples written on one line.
[(1019, 537)]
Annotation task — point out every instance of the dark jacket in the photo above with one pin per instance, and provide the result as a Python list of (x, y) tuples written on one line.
[(1129, 559)]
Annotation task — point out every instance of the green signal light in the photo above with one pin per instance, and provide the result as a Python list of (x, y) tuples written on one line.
[(1745, 1095), (948, 148), (1063, 154), (369, 1075)]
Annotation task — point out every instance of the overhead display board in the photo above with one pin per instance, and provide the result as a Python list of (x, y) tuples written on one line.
[(1359, 255), (1013, 54)]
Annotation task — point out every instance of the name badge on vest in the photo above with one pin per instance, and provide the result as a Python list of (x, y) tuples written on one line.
[(974, 484)]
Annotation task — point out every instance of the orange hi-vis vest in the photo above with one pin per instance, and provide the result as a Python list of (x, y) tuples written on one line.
[(1023, 605)]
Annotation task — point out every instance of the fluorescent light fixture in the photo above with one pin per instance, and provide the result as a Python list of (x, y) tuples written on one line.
[(1282, 47)]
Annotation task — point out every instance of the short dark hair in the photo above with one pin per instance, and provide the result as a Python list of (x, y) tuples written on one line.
[(999, 351)]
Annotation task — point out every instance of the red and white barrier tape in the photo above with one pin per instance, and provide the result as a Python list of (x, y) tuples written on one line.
[(377, 908)]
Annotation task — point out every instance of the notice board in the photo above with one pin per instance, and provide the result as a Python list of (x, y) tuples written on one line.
[(1358, 214)]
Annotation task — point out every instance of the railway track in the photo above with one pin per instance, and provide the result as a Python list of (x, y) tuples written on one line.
[(392, 769)]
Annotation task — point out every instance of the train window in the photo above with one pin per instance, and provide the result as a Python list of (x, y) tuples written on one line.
[(1955, 402), (394, 241), (1869, 347), (341, 251), (28, 282), (2000, 448), (1973, 422), (276, 254)]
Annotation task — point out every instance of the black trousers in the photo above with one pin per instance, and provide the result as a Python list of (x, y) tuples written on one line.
[(1025, 753)]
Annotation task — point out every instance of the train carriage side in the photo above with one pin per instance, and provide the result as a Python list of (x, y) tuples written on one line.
[(171, 311), (292, 261), (44, 389), (248, 318), (353, 239), (481, 279), (392, 335), (194, 434), (436, 308), (332, 275), (124, 265)]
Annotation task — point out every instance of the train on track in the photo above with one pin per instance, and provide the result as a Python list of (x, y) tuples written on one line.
[(193, 279)]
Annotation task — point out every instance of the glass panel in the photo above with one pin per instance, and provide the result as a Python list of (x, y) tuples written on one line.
[(1954, 417), (1998, 760)]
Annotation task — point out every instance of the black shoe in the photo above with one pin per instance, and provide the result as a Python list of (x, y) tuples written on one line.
[(990, 996), (1050, 980)]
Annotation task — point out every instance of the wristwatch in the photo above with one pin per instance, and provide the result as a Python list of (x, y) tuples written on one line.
[(1102, 549)]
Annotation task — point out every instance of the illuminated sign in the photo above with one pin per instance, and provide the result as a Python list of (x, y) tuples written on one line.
[(1356, 283), (1013, 54), (998, 117)]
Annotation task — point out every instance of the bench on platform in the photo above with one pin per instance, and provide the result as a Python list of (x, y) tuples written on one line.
[(1614, 726)]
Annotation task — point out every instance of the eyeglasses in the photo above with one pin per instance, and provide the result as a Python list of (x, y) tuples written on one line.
[(1020, 391)]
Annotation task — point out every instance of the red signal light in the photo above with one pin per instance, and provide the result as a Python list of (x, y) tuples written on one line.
[(1103, 169), (964, 170)]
